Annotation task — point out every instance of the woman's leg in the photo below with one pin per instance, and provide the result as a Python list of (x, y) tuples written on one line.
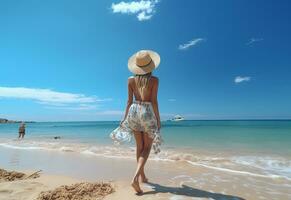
[(139, 149), (139, 143), (139, 137), (143, 158), (148, 142)]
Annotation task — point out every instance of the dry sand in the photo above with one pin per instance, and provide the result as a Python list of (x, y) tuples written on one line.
[(50, 187), (13, 175), (15, 186), (202, 187), (55, 187)]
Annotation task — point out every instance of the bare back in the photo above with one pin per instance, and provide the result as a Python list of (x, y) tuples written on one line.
[(149, 93)]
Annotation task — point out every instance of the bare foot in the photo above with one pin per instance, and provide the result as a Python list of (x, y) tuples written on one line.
[(136, 187), (144, 179)]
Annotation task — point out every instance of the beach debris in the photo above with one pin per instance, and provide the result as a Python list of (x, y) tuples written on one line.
[(34, 175), (78, 191), (13, 175)]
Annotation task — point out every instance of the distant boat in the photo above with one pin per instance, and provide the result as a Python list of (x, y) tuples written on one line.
[(177, 118)]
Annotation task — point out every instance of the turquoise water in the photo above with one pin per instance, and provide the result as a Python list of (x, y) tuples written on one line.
[(268, 136), (256, 147)]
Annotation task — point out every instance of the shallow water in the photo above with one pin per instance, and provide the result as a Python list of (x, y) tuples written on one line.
[(251, 148)]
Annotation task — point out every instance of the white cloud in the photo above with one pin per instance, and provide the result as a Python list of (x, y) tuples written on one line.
[(143, 9), (50, 97), (240, 79), (254, 40), (143, 16), (191, 43)]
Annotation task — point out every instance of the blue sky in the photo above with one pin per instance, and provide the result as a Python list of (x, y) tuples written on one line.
[(63, 60)]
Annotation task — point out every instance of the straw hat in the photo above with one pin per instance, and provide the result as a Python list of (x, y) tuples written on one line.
[(143, 62)]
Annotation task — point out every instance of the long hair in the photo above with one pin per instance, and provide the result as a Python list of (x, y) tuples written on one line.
[(142, 81)]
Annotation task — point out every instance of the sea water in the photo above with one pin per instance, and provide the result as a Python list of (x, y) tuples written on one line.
[(251, 147)]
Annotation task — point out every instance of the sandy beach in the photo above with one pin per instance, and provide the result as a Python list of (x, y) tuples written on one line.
[(30, 189), (167, 180)]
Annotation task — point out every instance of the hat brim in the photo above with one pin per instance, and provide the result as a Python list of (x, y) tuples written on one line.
[(147, 69)]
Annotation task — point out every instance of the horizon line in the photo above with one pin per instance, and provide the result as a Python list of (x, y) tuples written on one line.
[(32, 121)]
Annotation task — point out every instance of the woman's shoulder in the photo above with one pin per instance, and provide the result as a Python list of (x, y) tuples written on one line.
[(131, 78)]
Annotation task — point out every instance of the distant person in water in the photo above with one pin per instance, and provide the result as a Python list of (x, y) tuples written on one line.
[(21, 130), (142, 118)]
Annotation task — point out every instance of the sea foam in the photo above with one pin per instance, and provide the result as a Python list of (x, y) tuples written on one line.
[(258, 166)]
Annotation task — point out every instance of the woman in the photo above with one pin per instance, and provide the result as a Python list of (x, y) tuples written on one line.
[(142, 118)]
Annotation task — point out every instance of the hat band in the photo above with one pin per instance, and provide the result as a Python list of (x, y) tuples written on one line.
[(145, 64)]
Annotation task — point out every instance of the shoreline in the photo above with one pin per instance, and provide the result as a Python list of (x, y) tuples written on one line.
[(256, 165), (175, 180)]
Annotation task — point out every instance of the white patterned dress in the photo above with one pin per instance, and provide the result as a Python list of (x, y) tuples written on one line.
[(141, 118)]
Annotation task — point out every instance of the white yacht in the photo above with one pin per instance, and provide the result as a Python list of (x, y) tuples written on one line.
[(177, 118)]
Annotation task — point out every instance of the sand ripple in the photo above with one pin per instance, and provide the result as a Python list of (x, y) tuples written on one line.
[(79, 191), (13, 175)]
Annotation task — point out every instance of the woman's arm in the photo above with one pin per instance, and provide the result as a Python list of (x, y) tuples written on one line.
[(155, 101), (129, 99)]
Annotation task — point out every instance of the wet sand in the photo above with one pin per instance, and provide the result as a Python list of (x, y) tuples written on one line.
[(168, 180)]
